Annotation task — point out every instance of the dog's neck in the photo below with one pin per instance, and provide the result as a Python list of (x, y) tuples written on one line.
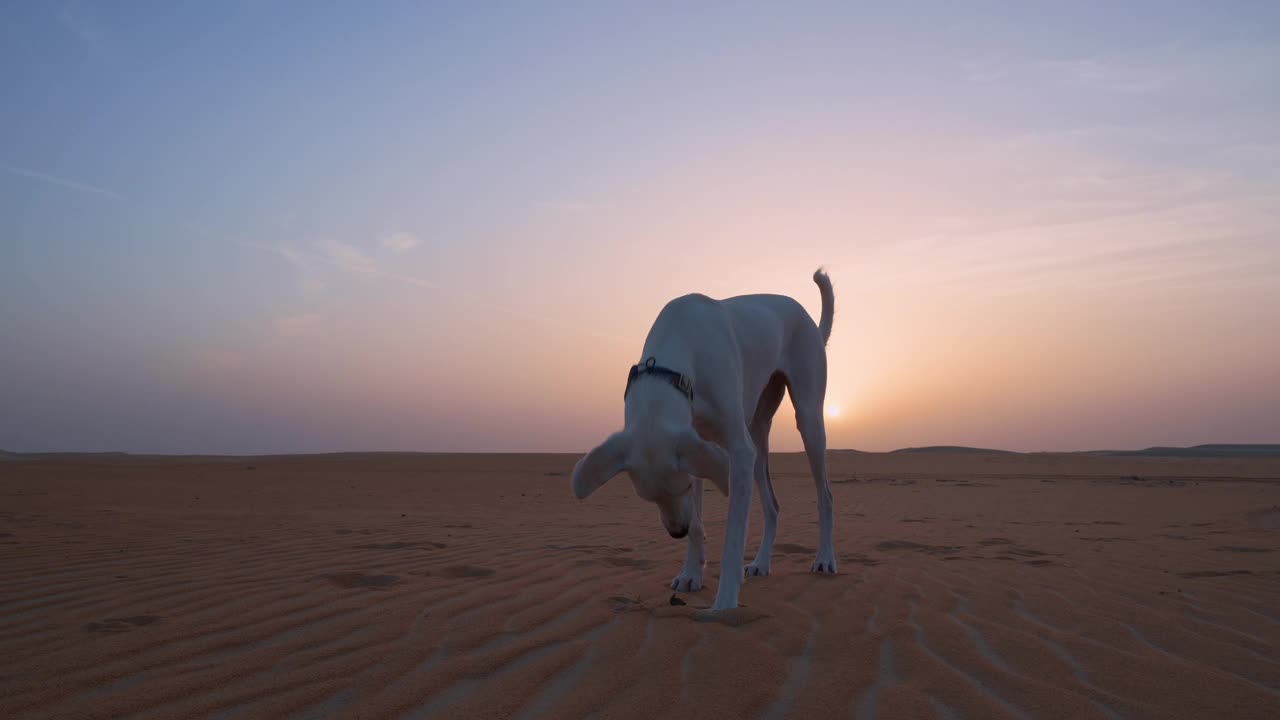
[(653, 401), (653, 404)]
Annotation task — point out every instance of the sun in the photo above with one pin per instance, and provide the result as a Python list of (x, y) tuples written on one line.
[(833, 411)]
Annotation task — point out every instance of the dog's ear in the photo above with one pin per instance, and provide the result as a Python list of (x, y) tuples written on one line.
[(703, 459), (601, 464)]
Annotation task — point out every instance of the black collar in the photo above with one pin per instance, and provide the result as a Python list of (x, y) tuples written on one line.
[(651, 367)]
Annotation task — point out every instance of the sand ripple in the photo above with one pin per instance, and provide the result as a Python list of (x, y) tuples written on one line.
[(401, 586)]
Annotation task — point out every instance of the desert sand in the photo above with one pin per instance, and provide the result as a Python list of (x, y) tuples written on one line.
[(421, 586)]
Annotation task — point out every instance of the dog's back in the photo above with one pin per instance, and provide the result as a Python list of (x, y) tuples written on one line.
[(752, 311), (749, 314)]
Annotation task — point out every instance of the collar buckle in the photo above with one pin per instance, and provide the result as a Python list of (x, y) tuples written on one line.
[(651, 367)]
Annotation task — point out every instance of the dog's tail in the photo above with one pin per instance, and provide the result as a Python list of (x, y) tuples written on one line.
[(828, 303)]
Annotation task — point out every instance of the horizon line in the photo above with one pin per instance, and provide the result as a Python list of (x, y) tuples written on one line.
[(923, 449)]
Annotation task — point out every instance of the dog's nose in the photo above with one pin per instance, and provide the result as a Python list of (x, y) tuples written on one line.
[(681, 532)]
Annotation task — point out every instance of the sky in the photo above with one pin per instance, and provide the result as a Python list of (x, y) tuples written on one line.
[(248, 227)]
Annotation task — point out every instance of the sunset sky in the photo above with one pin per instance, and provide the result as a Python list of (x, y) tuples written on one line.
[(252, 227)]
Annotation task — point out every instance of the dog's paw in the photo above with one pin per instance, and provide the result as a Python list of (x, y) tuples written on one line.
[(823, 567), (756, 569), (685, 582)]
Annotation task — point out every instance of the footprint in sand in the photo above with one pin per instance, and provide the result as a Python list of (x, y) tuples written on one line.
[(626, 562), (401, 546), (1213, 573), (1264, 518), (117, 625), (591, 549), (466, 571), (1027, 552), (734, 617), (886, 545), (859, 559), (361, 580), (784, 548)]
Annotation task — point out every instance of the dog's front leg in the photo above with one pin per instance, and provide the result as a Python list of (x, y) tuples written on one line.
[(742, 459), (690, 577)]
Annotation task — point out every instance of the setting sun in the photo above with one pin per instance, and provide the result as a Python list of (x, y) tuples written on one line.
[(833, 411)]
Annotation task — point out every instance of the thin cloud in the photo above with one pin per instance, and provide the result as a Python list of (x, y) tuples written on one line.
[(1115, 75), (310, 267), (218, 362), (565, 206), (1207, 70), (348, 257), (1110, 76), (296, 326), (77, 24), (297, 258), (366, 266), (62, 182), (401, 242), (337, 255)]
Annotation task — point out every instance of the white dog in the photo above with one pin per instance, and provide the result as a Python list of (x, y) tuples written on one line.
[(700, 405)]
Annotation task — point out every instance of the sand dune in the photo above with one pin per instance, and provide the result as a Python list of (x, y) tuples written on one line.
[(421, 586)]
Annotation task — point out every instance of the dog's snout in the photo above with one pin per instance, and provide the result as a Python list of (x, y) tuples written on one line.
[(679, 532)]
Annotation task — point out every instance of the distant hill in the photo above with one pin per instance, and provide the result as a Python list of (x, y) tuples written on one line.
[(949, 449), (1207, 451), (1202, 451)]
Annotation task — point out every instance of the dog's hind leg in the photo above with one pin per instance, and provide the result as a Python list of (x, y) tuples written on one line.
[(770, 399), (807, 392)]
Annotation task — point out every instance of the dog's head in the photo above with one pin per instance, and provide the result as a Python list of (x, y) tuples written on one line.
[(662, 467)]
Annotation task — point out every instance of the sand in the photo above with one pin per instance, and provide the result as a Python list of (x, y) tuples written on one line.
[(418, 586)]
